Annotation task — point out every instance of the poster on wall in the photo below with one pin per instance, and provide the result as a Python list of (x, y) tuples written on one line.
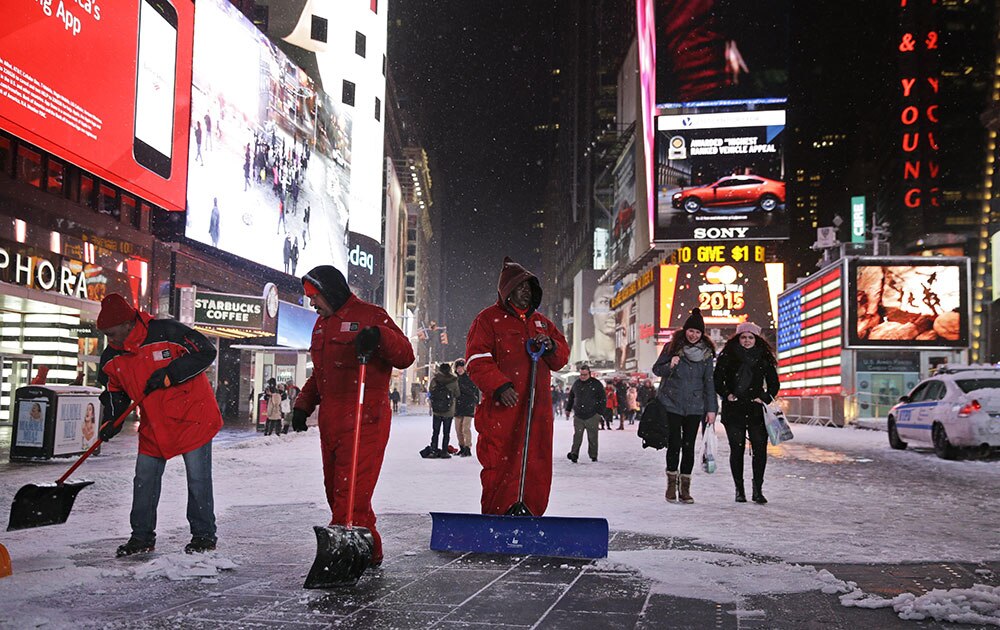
[(593, 320), (76, 424), (270, 153), (104, 85), (908, 302), (31, 413)]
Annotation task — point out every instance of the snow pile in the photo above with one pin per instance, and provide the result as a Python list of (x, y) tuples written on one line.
[(720, 577), (979, 604), (183, 566)]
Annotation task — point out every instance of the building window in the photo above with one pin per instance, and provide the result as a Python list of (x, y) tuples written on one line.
[(86, 190), (6, 154), (360, 43), (56, 176), (130, 210), (29, 166), (320, 25), (107, 201), (378, 109), (348, 95)]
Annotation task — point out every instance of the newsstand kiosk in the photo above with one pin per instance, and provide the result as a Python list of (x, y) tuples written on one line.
[(54, 421)]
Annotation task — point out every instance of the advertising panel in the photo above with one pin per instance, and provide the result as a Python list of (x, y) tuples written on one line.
[(720, 176), (810, 335), (231, 311), (76, 424), (593, 321), (626, 337), (713, 50), (364, 265), (268, 151), (917, 302), (104, 85), (623, 232), (31, 414), (295, 325)]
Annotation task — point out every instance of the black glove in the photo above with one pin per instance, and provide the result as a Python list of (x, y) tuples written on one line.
[(109, 430), (157, 380), (367, 340), (299, 420)]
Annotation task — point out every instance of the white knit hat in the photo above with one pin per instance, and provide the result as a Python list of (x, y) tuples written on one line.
[(748, 327)]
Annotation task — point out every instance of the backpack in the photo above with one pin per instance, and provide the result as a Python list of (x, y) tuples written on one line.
[(441, 399), (653, 425)]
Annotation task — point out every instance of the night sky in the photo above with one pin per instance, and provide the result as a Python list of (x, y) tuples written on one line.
[(472, 79)]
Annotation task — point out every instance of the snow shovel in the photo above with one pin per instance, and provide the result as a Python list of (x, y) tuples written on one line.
[(343, 552), (50, 504), (518, 531)]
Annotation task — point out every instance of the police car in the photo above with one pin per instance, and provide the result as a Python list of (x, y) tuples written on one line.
[(958, 407)]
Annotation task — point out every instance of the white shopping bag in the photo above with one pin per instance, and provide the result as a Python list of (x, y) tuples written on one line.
[(778, 430), (709, 447)]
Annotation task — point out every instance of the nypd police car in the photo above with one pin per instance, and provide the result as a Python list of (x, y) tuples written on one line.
[(958, 407)]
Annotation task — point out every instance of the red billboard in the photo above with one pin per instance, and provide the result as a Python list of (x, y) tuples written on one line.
[(104, 85)]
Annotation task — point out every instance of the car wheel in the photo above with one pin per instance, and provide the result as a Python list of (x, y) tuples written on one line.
[(894, 440), (942, 447), (692, 205), (768, 203)]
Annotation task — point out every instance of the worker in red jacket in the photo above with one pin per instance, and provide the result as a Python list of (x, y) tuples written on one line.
[(497, 359), (163, 363), (348, 327)]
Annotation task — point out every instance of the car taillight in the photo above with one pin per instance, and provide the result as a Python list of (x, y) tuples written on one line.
[(969, 408)]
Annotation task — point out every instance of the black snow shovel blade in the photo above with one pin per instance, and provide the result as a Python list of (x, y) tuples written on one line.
[(45, 504), (342, 555)]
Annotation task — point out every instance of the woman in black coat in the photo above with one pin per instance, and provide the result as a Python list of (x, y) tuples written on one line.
[(746, 377)]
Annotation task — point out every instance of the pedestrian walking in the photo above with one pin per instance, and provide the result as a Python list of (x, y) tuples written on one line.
[(394, 398), (286, 253), (586, 400), (208, 132), (347, 328), (687, 392), (295, 254), (621, 394), (291, 395), (611, 404), (213, 222), (282, 225), (197, 142), (465, 409), (497, 359), (444, 391), (273, 398), (162, 363), (746, 377), (415, 391)]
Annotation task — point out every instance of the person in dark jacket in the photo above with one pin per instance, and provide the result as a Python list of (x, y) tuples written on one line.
[(394, 398), (445, 380), (746, 377), (465, 409), (688, 395), (162, 363), (587, 401), (621, 399)]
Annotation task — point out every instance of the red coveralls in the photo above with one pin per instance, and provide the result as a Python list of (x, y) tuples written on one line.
[(334, 383), (496, 355)]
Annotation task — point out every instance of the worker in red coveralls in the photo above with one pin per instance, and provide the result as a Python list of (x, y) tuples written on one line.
[(497, 359), (348, 327)]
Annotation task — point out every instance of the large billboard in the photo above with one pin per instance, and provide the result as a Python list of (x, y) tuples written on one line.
[(270, 153), (908, 302), (106, 86), (593, 321), (720, 176)]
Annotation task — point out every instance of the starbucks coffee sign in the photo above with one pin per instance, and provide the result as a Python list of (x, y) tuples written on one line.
[(233, 311)]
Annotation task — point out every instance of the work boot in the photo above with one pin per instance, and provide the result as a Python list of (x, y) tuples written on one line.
[(684, 494), (741, 495), (443, 453), (571, 456), (758, 492), (134, 546), (671, 486), (466, 451), (200, 544)]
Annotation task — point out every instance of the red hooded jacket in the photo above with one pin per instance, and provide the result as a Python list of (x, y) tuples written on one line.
[(496, 358)]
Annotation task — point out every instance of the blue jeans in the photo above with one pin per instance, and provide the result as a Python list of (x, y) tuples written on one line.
[(146, 494)]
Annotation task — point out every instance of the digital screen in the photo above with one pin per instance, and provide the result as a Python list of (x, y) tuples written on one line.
[(908, 303), (295, 325), (720, 176), (594, 321), (810, 335), (728, 294), (79, 80), (269, 153)]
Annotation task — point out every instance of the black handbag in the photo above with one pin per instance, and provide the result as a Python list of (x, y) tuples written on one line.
[(653, 427)]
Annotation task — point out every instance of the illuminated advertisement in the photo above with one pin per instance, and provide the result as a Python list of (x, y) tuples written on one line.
[(104, 85), (720, 176), (270, 154), (626, 337), (623, 232), (908, 302), (593, 320), (713, 50), (810, 335)]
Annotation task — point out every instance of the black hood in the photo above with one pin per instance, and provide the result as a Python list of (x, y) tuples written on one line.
[(331, 283)]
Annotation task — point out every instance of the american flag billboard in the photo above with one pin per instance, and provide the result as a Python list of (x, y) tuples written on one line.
[(810, 335)]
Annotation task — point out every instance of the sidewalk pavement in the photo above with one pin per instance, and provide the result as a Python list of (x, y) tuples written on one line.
[(273, 548)]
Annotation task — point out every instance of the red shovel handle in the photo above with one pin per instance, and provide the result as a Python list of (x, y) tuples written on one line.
[(97, 442), (357, 444)]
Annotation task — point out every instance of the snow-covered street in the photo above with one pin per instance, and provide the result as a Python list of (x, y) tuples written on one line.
[(837, 497)]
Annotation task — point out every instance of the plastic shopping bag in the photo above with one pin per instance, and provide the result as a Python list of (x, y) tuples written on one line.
[(778, 430), (710, 445)]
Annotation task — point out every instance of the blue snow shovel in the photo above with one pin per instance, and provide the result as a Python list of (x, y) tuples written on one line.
[(518, 531)]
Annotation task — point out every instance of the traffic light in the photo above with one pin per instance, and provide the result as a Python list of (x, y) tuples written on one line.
[(444, 338)]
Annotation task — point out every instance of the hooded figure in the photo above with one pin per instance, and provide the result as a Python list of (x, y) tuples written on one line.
[(348, 326), (497, 360)]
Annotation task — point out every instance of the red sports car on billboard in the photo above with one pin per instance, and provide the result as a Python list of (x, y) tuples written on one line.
[(734, 190)]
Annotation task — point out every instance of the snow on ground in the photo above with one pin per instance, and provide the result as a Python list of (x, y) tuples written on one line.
[(836, 495)]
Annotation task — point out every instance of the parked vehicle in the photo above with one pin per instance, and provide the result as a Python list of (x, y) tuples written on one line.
[(735, 190), (958, 407)]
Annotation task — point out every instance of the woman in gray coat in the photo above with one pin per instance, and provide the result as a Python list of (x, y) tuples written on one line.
[(687, 392)]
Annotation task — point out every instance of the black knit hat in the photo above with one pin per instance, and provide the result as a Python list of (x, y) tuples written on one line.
[(695, 321)]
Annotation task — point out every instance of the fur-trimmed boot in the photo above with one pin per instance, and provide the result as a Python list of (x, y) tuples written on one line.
[(684, 495), (671, 486)]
